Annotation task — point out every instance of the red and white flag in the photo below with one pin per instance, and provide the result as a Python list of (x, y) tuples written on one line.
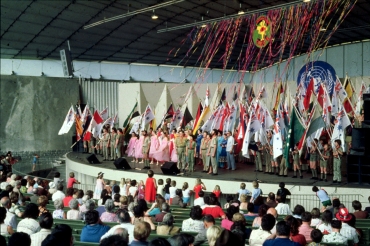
[(253, 126), (148, 116), (176, 119), (206, 100), (68, 121), (85, 113), (309, 92), (104, 113)]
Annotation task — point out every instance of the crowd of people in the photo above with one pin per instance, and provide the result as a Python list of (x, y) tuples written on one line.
[(139, 209)]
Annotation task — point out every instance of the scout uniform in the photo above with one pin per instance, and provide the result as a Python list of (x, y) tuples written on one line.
[(259, 157), (180, 143), (105, 142), (145, 151), (120, 139), (113, 138), (337, 164), (324, 163), (204, 148), (267, 159), (190, 150), (212, 149)]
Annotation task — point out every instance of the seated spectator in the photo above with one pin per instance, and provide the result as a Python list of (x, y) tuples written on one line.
[(274, 213), (359, 214), (201, 237), (250, 216), (228, 222), (243, 202), (213, 233), (82, 207), (261, 212), (39, 192), (69, 197), (156, 207), (298, 211), (200, 200), (259, 236), (59, 193), (79, 196), (60, 236), (114, 240), (316, 237), (229, 200), (194, 223), (141, 233), (228, 238), (19, 238), (109, 215), (46, 222), (52, 188), (116, 198), (315, 217), (138, 212), (29, 224), (181, 239), (123, 202), (93, 231), (282, 236), (257, 203), (159, 241), (74, 213), (166, 227), (270, 201), (125, 223), (305, 229), (295, 236), (165, 210), (282, 208), (59, 213), (335, 236), (177, 200), (42, 202), (5, 229), (23, 188), (213, 209), (31, 183), (239, 226), (10, 218), (325, 225), (347, 231)]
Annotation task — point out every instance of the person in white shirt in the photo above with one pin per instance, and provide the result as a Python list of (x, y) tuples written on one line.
[(59, 193), (259, 236), (195, 222), (46, 222), (335, 236), (10, 218), (172, 190), (325, 225), (282, 208), (200, 200), (29, 225), (347, 231), (125, 223), (230, 151)]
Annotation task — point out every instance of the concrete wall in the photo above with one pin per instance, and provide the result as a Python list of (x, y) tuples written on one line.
[(33, 110)]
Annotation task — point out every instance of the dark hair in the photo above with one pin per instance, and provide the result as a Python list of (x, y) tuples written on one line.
[(271, 195), (280, 199), (168, 181), (356, 205), (133, 182), (250, 207), (179, 192), (209, 218), (201, 193), (2, 214), (352, 221), (181, 239), (336, 203), (281, 184), (142, 203), (268, 222), (23, 182), (60, 236), (150, 173), (70, 192), (315, 213), (116, 189), (227, 238), (282, 229), (316, 235), (57, 175), (306, 217), (293, 224), (231, 210), (60, 187), (123, 216), (262, 210), (91, 217), (19, 238), (337, 224), (229, 198), (315, 189), (46, 220), (117, 197), (114, 240), (299, 210), (159, 242), (31, 211), (327, 217), (80, 194), (196, 213), (138, 211)]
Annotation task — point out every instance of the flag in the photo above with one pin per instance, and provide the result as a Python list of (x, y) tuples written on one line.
[(219, 121), (295, 132), (262, 93), (278, 95), (135, 127), (88, 133), (253, 126), (148, 116), (79, 128), (243, 117), (341, 92), (325, 114), (349, 88), (359, 99), (104, 113), (85, 113), (131, 115), (206, 100), (230, 121), (169, 113), (176, 119), (309, 92), (316, 122), (277, 144), (187, 118), (341, 122), (223, 96), (335, 103), (97, 118), (197, 117), (68, 121), (251, 95), (208, 124), (79, 111), (235, 96)]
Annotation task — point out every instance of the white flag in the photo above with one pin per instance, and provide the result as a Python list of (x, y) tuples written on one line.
[(253, 126), (230, 121), (136, 126), (277, 138), (176, 119), (208, 125), (359, 99), (85, 113), (104, 113), (341, 122), (147, 117), (68, 122)]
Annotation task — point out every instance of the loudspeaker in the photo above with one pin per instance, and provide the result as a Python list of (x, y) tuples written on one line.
[(170, 168), (121, 163), (65, 57), (359, 143), (92, 159)]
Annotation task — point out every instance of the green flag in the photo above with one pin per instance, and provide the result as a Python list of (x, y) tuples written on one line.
[(296, 130), (130, 116)]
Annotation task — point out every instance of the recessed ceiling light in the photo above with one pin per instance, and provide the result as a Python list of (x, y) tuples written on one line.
[(306, 1), (240, 12), (154, 16)]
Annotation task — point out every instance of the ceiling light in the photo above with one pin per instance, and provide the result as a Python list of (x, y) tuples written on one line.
[(203, 25), (240, 12), (322, 29), (306, 1), (154, 16)]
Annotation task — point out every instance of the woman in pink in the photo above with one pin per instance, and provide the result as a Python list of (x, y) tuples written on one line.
[(150, 187), (154, 143), (162, 154), (139, 149), (131, 146)]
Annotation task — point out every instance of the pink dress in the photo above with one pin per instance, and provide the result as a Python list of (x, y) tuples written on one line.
[(139, 147), (131, 147), (174, 155), (154, 143), (162, 154)]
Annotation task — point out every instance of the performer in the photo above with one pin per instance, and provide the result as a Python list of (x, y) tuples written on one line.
[(337, 154), (212, 152), (180, 143), (190, 152), (199, 142), (296, 162), (267, 155), (139, 149), (145, 149), (130, 151), (105, 142), (154, 143), (219, 148), (162, 154), (204, 144), (173, 135), (113, 140), (324, 162), (222, 158), (313, 158), (259, 157), (119, 143), (230, 146)]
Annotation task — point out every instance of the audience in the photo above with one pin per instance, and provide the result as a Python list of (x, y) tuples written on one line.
[(59, 193), (93, 231), (5, 229), (10, 218), (347, 231), (46, 222), (166, 227), (359, 214), (213, 233), (325, 225), (228, 222), (109, 215), (213, 209), (282, 236), (60, 236), (200, 200), (29, 223), (114, 240), (295, 235), (141, 233), (19, 238), (59, 213), (194, 223), (335, 236), (315, 217), (259, 236), (262, 210), (69, 197), (181, 239), (201, 237), (305, 229), (165, 209), (316, 237), (282, 208), (74, 213), (270, 201), (125, 223), (298, 211)]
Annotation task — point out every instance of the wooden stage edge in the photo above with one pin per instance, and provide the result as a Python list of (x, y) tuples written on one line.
[(243, 173)]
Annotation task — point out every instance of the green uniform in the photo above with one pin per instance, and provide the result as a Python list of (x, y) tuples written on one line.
[(283, 167), (190, 146), (314, 156), (120, 138), (113, 138), (213, 149), (204, 149), (324, 163), (259, 158), (145, 150), (180, 143), (337, 165), (105, 142), (296, 158), (267, 160)]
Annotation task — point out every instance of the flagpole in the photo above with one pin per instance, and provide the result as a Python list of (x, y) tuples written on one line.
[(75, 143)]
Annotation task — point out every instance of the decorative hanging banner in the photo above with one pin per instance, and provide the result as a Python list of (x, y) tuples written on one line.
[(262, 32), (321, 71)]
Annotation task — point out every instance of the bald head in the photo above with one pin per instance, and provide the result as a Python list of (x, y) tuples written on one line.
[(5, 202), (273, 212)]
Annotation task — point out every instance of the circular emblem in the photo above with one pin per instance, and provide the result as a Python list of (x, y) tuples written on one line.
[(262, 33)]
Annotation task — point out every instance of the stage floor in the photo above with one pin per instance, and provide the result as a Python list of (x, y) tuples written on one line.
[(243, 173)]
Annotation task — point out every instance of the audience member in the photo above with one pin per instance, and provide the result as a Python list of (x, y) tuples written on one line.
[(305, 229), (181, 239), (164, 211), (46, 222), (359, 214), (347, 231), (259, 236), (294, 224), (316, 237), (141, 233), (92, 231), (166, 227), (125, 223), (114, 240), (60, 236), (10, 218), (261, 212), (200, 200), (159, 241), (194, 223), (19, 238), (109, 215), (228, 238), (298, 211), (59, 193), (228, 222), (29, 224), (282, 192), (335, 236), (5, 230), (282, 236), (315, 217), (270, 201), (213, 233), (201, 237), (325, 225), (282, 208), (213, 209), (74, 213), (69, 197), (243, 202), (250, 216)]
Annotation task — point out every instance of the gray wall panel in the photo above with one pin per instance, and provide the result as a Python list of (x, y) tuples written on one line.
[(353, 59)]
